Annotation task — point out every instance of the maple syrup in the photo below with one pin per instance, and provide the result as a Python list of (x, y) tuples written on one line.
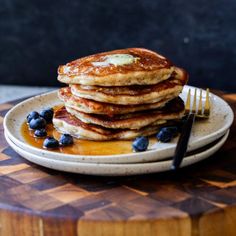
[(80, 147)]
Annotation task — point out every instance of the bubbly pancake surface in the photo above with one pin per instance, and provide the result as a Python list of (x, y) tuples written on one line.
[(148, 67)]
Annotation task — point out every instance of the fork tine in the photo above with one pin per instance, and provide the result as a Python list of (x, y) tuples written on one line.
[(187, 105), (199, 112), (194, 102), (207, 104)]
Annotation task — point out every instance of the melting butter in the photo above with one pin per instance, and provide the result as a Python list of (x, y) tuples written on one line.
[(116, 60)]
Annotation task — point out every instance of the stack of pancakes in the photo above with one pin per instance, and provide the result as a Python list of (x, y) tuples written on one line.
[(119, 94)]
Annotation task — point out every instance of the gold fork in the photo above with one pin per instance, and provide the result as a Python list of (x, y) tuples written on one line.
[(199, 112), (191, 112)]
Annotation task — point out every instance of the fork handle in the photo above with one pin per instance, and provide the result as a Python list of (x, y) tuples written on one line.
[(182, 144)]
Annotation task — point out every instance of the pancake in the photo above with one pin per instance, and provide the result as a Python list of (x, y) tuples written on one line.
[(131, 66), (134, 94), (91, 106), (64, 122), (173, 110)]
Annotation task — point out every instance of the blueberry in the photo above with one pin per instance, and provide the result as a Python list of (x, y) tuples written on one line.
[(140, 144), (40, 133), (32, 115), (164, 136), (66, 140), (50, 142), (38, 123), (47, 114), (167, 133)]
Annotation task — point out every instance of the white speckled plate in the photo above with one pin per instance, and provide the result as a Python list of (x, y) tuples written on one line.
[(204, 132), (115, 169)]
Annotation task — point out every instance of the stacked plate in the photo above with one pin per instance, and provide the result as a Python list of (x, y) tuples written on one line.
[(207, 137)]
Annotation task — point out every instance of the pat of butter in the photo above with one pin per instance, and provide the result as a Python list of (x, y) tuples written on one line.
[(116, 60)]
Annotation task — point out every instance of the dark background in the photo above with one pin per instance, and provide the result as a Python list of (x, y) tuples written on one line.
[(38, 35)]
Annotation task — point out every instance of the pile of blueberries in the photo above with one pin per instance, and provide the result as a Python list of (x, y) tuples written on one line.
[(38, 122), (165, 135)]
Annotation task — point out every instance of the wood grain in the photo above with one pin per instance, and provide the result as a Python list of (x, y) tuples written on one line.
[(198, 200)]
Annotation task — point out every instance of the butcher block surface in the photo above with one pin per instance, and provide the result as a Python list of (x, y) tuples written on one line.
[(197, 200)]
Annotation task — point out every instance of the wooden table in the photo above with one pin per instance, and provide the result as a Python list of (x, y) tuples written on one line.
[(198, 200)]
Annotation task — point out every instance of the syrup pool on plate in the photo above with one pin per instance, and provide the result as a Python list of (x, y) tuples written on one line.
[(80, 147)]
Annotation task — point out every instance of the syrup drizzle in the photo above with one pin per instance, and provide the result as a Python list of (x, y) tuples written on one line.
[(80, 147)]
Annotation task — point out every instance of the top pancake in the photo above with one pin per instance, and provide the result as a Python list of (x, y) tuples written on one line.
[(131, 66)]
